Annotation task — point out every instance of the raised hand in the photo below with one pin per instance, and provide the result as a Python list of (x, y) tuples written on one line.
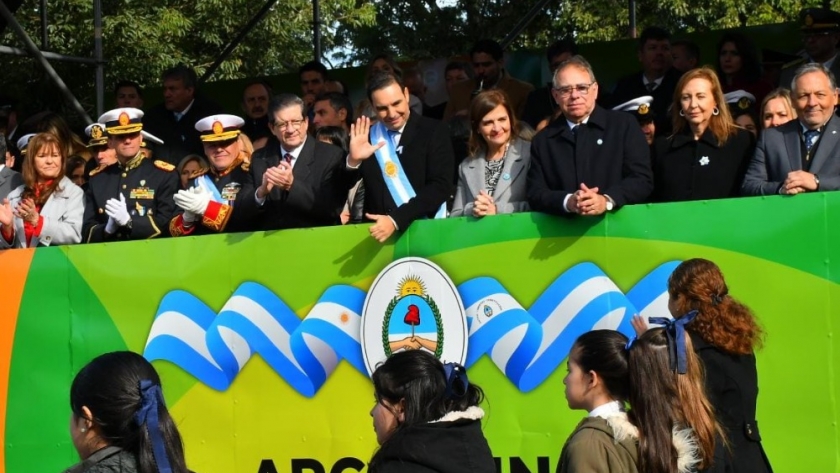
[(360, 147), (7, 216)]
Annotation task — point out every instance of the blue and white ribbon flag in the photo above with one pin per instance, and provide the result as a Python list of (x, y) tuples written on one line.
[(392, 171), (204, 182)]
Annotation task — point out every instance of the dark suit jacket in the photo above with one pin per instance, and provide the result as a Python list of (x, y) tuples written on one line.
[(608, 152), (732, 388), (9, 181), (779, 151), (318, 192), (428, 161), (632, 87), (689, 169), (180, 138)]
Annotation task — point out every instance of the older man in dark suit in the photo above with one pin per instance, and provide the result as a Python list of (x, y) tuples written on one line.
[(302, 181), (411, 176), (801, 155), (590, 160)]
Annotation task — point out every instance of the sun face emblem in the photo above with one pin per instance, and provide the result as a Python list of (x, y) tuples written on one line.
[(744, 103), (411, 286), (96, 132), (644, 109), (218, 128), (124, 119), (390, 169)]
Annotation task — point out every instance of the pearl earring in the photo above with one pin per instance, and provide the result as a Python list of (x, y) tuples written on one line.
[(83, 429)]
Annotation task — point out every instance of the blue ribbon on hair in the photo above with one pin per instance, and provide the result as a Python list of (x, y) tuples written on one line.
[(455, 372), (152, 397), (675, 331)]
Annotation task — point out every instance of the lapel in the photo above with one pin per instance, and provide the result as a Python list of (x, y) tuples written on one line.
[(408, 135), (512, 167), (475, 173), (304, 160), (827, 146), (793, 145), (586, 145)]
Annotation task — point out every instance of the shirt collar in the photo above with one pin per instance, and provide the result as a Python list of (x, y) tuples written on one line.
[(573, 125), (805, 128), (606, 410), (294, 152), (184, 111), (647, 81)]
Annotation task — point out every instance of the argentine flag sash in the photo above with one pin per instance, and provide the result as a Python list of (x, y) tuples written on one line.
[(204, 182), (392, 171)]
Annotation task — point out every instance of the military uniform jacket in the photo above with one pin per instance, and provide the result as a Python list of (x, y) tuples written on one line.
[(237, 212), (148, 187)]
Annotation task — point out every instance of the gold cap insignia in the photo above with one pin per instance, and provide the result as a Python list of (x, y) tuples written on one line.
[(744, 103), (644, 109), (96, 132), (218, 128), (124, 119)]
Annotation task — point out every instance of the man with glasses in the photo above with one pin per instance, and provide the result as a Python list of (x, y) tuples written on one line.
[(301, 181), (488, 64), (820, 33), (219, 199), (132, 198), (540, 104), (590, 160)]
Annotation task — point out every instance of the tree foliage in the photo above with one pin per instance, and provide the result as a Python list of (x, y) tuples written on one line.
[(142, 38), (420, 29)]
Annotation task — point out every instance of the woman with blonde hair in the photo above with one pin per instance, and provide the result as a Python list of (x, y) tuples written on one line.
[(707, 155), (492, 179), (777, 108), (48, 209)]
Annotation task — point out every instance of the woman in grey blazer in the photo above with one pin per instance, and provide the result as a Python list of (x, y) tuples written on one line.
[(492, 180), (48, 208)]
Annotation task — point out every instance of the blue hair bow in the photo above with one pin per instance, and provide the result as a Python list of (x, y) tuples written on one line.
[(675, 331), (455, 372), (152, 397)]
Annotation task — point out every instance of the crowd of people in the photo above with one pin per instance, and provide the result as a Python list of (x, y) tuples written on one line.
[(674, 131), (677, 398)]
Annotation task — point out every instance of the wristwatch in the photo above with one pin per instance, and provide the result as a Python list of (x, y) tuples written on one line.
[(817, 181), (610, 203)]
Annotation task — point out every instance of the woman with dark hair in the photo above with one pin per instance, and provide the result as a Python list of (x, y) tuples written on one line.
[(725, 334), (75, 170), (120, 423), (53, 123), (420, 401), (739, 67), (605, 441), (707, 155), (48, 209), (334, 135), (492, 180), (742, 106)]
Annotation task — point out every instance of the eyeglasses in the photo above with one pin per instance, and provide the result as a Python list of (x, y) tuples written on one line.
[(566, 91), (293, 124)]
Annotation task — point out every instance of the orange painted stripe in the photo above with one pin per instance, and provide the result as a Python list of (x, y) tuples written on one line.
[(15, 264)]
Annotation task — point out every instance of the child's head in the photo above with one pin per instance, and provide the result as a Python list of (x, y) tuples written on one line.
[(662, 399), (597, 370), (414, 387)]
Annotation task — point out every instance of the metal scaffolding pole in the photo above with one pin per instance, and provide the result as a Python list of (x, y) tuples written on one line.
[(316, 25), (54, 56), (523, 23), (238, 39), (97, 52), (36, 53), (632, 7), (45, 41)]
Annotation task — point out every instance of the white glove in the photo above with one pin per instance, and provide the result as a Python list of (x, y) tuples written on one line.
[(182, 199), (111, 227), (117, 210), (194, 200)]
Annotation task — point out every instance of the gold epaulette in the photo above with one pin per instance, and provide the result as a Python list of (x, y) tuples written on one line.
[(199, 173), (96, 171), (164, 165)]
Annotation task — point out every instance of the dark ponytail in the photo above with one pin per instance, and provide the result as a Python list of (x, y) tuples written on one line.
[(110, 387), (603, 351)]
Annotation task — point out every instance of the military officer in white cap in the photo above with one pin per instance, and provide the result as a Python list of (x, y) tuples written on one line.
[(98, 146), (132, 198), (23, 142), (220, 199), (642, 109), (742, 106)]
